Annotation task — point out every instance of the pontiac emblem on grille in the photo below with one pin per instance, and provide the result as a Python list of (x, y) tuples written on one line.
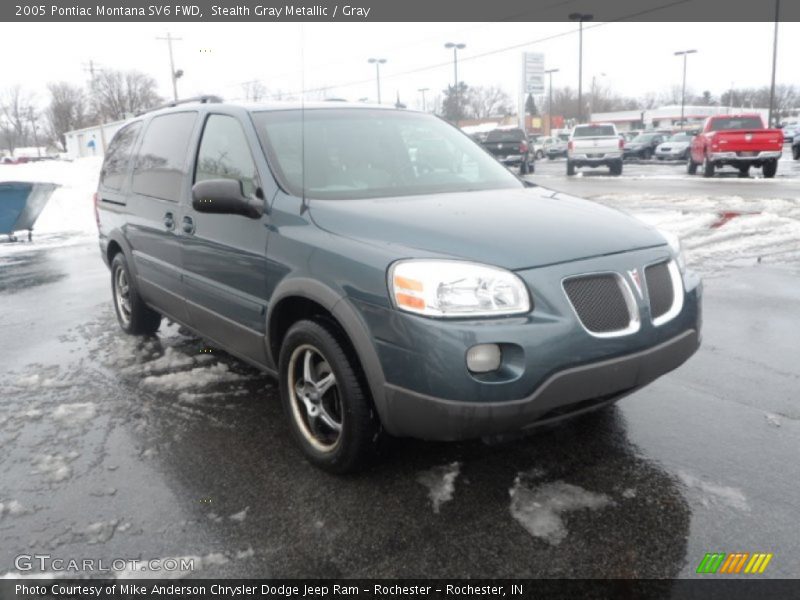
[(637, 281)]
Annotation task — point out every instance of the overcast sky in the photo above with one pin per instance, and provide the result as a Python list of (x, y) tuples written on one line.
[(217, 57)]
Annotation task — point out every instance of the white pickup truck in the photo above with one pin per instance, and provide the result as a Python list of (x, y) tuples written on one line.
[(595, 145)]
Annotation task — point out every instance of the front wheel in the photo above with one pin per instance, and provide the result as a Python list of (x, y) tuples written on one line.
[(329, 408), (770, 168), (647, 154), (133, 315), (539, 155)]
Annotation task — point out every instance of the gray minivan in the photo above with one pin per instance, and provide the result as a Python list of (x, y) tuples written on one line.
[(391, 274)]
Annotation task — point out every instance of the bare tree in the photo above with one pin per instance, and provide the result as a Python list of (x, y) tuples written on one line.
[(254, 91), (487, 101), (15, 110), (118, 94), (67, 110)]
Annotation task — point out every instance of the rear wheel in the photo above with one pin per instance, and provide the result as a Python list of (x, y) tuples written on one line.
[(647, 154), (708, 167), (133, 315), (570, 168), (691, 166), (539, 155), (744, 171), (523, 168), (796, 152), (770, 168), (615, 168), (329, 409)]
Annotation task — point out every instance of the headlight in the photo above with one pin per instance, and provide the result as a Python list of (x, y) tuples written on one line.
[(451, 288), (675, 245)]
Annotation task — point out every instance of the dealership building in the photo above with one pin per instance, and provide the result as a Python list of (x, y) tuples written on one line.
[(668, 117)]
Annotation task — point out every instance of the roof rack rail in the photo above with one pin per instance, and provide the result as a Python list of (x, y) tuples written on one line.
[(205, 99)]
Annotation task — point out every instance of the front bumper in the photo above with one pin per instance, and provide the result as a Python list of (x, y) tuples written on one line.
[(552, 366), (565, 394)]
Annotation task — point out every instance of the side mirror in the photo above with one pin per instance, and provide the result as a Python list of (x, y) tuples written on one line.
[(225, 197)]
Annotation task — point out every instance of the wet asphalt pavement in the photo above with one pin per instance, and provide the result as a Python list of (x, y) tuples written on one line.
[(106, 453)]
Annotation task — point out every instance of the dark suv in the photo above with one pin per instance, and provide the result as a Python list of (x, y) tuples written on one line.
[(392, 275)]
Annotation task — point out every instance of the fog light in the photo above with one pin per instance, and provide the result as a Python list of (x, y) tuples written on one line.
[(484, 358)]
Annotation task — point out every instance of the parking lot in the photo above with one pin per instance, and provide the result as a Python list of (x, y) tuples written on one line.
[(115, 447)]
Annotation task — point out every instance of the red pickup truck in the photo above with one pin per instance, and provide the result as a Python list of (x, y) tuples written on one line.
[(740, 141)]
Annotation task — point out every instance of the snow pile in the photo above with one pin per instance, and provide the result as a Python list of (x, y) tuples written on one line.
[(54, 467), (241, 515), (71, 207), (440, 482), (197, 377), (13, 508), (760, 230), (75, 414), (539, 510), (711, 494)]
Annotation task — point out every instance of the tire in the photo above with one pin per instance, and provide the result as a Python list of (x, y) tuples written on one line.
[(708, 167), (551, 157), (523, 168), (770, 168), (133, 315), (647, 154), (691, 166), (796, 152), (570, 168), (539, 155), (345, 405), (531, 168), (615, 168), (744, 171)]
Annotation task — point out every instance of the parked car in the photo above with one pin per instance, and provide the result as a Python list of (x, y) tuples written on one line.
[(557, 147), (512, 148), (790, 130), (595, 145), (676, 147), (741, 141), (537, 144), (796, 147), (644, 145), (389, 291)]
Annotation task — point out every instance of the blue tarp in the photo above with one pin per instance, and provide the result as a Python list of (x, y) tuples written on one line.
[(21, 203)]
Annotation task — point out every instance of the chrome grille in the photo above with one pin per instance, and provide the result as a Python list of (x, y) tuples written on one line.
[(599, 302), (659, 289)]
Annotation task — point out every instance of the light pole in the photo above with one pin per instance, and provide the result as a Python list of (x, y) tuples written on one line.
[(549, 74), (580, 18), (175, 75), (774, 63), (456, 48), (422, 91), (378, 62), (684, 53), (594, 92)]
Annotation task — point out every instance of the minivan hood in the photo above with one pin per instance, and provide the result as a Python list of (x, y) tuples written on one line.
[(515, 229)]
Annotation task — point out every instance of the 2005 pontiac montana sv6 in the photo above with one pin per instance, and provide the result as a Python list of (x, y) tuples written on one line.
[(389, 272)]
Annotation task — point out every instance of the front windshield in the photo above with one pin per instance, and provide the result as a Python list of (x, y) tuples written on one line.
[(680, 137), (366, 153), (643, 138)]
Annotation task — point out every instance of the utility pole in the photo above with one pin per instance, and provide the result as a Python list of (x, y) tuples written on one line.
[(174, 75), (549, 74), (377, 62), (684, 53), (580, 18), (774, 63), (594, 93), (423, 90), (92, 69)]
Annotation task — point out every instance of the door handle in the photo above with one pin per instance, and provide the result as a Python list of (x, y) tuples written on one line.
[(169, 221), (188, 225)]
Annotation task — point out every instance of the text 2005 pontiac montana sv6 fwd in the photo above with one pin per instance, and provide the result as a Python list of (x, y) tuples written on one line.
[(390, 273)]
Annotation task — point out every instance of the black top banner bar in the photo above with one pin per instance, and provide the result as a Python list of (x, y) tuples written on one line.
[(400, 10)]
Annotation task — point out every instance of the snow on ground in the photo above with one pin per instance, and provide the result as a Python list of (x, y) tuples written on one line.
[(68, 218), (194, 378), (75, 414), (757, 230), (440, 482), (12, 508), (54, 467), (710, 494), (539, 508)]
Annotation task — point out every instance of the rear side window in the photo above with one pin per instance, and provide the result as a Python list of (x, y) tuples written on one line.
[(594, 131), (225, 154), (160, 165), (118, 156), (505, 135)]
